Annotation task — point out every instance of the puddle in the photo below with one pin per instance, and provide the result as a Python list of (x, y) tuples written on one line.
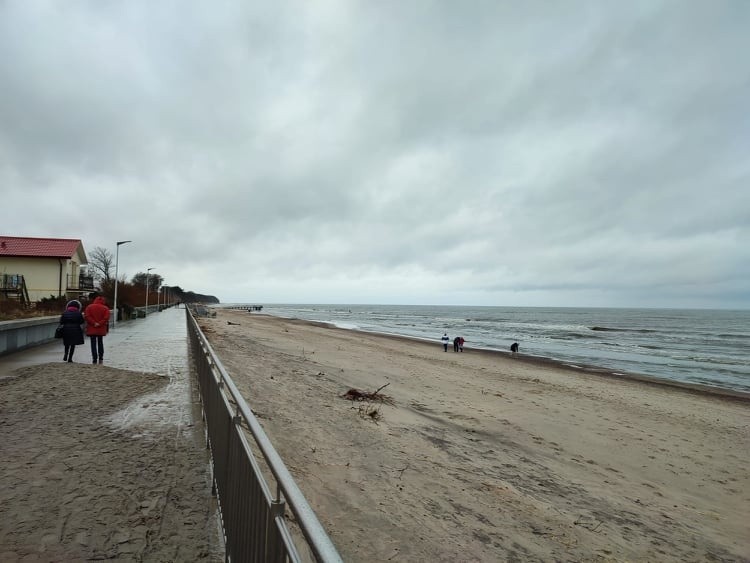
[(157, 344)]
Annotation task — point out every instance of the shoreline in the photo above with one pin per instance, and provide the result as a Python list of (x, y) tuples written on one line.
[(719, 392), (690, 346)]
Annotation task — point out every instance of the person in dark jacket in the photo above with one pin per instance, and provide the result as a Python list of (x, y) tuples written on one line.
[(97, 326), (71, 321)]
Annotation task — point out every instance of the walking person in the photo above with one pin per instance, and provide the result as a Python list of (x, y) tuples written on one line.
[(456, 343), (72, 334), (461, 341), (97, 327), (445, 340)]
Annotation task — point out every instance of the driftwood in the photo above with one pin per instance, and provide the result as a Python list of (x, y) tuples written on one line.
[(366, 398), (357, 395)]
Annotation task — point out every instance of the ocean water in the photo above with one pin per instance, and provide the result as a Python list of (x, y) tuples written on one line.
[(707, 347)]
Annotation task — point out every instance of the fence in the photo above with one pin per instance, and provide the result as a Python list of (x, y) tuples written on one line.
[(253, 518)]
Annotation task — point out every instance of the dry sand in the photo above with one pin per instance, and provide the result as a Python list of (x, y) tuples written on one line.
[(84, 477), (482, 457)]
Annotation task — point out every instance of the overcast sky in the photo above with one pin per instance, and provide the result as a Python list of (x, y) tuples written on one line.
[(408, 152)]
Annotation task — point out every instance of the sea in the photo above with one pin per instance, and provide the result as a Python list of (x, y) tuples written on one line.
[(695, 346)]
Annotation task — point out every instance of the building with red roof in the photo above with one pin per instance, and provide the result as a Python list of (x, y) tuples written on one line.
[(32, 268)]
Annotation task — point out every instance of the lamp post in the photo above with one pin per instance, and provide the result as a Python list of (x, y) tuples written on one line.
[(117, 264), (147, 271)]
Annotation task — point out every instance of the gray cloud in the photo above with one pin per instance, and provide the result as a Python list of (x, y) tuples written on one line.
[(580, 154)]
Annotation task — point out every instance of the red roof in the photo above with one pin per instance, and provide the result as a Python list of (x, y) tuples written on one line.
[(39, 247)]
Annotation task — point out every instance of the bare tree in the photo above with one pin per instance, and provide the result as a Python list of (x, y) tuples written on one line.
[(154, 280), (101, 263)]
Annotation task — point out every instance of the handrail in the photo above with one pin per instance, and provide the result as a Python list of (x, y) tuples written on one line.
[(317, 539), (11, 281), (15, 283), (80, 282)]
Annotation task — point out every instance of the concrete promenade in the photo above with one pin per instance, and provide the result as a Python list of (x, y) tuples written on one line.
[(133, 345), (106, 461)]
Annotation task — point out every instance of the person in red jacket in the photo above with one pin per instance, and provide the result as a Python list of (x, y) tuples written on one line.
[(97, 326)]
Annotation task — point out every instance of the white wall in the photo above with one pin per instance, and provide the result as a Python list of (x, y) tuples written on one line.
[(42, 275)]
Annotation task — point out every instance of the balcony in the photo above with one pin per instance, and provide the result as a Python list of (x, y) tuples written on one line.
[(80, 283), (11, 282), (13, 286)]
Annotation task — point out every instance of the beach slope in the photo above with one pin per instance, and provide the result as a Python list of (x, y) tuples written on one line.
[(478, 456)]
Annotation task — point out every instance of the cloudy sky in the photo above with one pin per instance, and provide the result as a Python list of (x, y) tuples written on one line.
[(416, 152)]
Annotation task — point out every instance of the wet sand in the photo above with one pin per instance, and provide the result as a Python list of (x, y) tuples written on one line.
[(483, 457), (86, 473)]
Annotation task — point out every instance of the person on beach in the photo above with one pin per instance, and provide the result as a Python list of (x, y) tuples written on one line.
[(445, 340), (71, 321), (461, 343), (514, 348), (456, 343), (97, 326)]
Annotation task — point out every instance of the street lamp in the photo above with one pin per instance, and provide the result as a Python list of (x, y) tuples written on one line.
[(147, 271), (117, 264)]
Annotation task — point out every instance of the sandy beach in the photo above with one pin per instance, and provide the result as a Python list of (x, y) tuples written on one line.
[(87, 476), (482, 457)]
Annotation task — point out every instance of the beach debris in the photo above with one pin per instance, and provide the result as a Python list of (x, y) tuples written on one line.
[(365, 409), (588, 522), (357, 395), (231, 323)]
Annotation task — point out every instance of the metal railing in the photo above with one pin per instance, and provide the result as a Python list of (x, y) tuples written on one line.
[(14, 285), (80, 283), (253, 518), (11, 281)]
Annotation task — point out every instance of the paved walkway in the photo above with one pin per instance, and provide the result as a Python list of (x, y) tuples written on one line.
[(102, 463), (133, 345)]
